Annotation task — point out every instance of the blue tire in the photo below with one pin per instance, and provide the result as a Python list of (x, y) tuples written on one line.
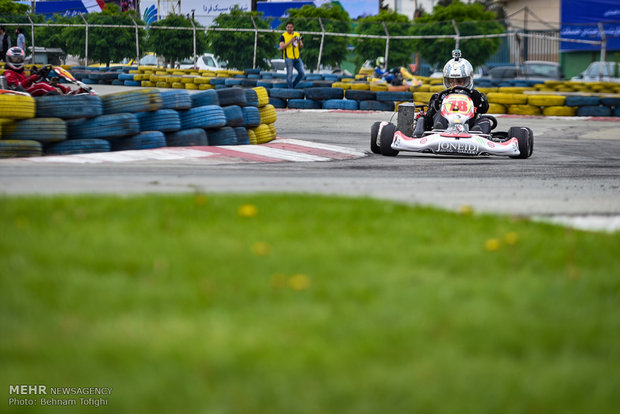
[(231, 96), (78, 146), (222, 136), (394, 96), (277, 102), (594, 110), (582, 100), (234, 115), (287, 93), (104, 126), (376, 106), (324, 93), (208, 116), (304, 104), (69, 106), (340, 104), (242, 136), (251, 117), (204, 98), (143, 140), (176, 99), (10, 148), (165, 120), (187, 138), (44, 130), (137, 100)]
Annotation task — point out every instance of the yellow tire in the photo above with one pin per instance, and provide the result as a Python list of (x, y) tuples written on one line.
[(424, 88), (272, 130), (267, 114), (17, 106), (376, 87), (263, 134), (495, 108), (341, 85), (507, 98), (546, 100), (204, 86), (201, 80), (422, 96), (263, 96), (523, 110), (252, 137), (436, 88), (190, 86), (514, 89), (488, 89), (560, 111), (178, 85), (360, 86)]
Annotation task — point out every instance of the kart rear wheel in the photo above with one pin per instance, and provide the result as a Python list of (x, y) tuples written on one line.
[(374, 131), (523, 136), (531, 140), (385, 140)]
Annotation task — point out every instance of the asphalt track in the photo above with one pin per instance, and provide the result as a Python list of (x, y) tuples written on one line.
[(573, 175)]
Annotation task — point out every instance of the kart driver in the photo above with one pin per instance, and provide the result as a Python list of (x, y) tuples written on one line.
[(381, 72), (457, 73), (17, 79)]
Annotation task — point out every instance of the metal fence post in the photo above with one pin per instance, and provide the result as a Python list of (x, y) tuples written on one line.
[(86, 42), (255, 42), (318, 62), (458, 34), (387, 43), (194, 33), (32, 35), (137, 39)]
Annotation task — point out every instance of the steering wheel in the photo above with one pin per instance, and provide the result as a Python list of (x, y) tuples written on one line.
[(459, 88), (492, 119)]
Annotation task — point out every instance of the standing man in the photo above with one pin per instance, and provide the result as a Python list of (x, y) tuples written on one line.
[(290, 44), (21, 39), (5, 43)]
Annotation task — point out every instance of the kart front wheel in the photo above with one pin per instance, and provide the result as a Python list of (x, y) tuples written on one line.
[(385, 140), (374, 131), (525, 139)]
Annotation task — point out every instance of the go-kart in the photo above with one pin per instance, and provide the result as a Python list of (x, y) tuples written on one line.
[(389, 139), (57, 72)]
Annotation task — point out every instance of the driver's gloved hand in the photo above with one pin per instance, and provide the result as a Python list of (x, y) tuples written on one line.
[(45, 70)]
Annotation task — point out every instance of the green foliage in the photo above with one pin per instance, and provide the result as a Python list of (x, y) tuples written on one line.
[(237, 48), (335, 19), (176, 45), (12, 7), (400, 51), (16, 16), (472, 19), (105, 44), (52, 36)]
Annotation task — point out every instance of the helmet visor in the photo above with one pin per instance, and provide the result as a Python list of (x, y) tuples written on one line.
[(15, 58), (452, 82)]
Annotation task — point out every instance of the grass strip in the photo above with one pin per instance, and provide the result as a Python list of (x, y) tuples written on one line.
[(305, 304)]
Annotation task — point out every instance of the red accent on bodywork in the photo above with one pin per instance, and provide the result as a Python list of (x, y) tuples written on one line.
[(510, 141), (457, 135), (403, 136)]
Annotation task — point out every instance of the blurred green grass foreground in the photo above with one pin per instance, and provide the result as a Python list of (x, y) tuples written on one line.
[(302, 304)]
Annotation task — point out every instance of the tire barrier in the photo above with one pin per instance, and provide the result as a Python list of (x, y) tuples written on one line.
[(78, 146), (582, 100), (523, 110), (165, 120), (559, 111), (234, 115), (175, 99), (205, 98), (251, 116), (231, 96), (594, 110), (103, 126), (287, 93), (262, 133), (208, 116), (242, 136), (44, 130), (546, 100), (261, 94), (323, 93), (394, 96), (277, 102), (137, 100), (17, 106), (187, 138), (360, 95), (304, 104), (20, 148), (222, 136), (507, 98), (143, 140), (267, 114), (340, 104), (251, 97), (69, 106), (376, 106)]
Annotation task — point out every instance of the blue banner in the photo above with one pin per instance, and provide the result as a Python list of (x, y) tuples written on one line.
[(581, 18), (64, 8)]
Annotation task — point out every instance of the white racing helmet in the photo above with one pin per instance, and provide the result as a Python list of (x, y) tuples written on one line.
[(15, 58), (458, 72)]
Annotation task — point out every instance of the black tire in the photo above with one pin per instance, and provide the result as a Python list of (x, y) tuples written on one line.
[(385, 140), (78, 146), (103, 126), (231, 96), (251, 117), (531, 140), (523, 136), (374, 131), (20, 148)]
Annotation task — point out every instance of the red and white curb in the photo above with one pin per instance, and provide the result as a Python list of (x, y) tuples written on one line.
[(279, 150)]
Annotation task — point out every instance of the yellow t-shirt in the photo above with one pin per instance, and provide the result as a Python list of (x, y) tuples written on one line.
[(292, 50)]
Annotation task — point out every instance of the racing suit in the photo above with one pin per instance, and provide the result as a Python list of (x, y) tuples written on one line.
[(433, 118), (17, 78)]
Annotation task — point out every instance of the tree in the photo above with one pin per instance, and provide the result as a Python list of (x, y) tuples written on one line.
[(105, 44), (335, 20), (400, 50), (237, 47), (51, 36), (176, 45), (471, 19), (12, 7)]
